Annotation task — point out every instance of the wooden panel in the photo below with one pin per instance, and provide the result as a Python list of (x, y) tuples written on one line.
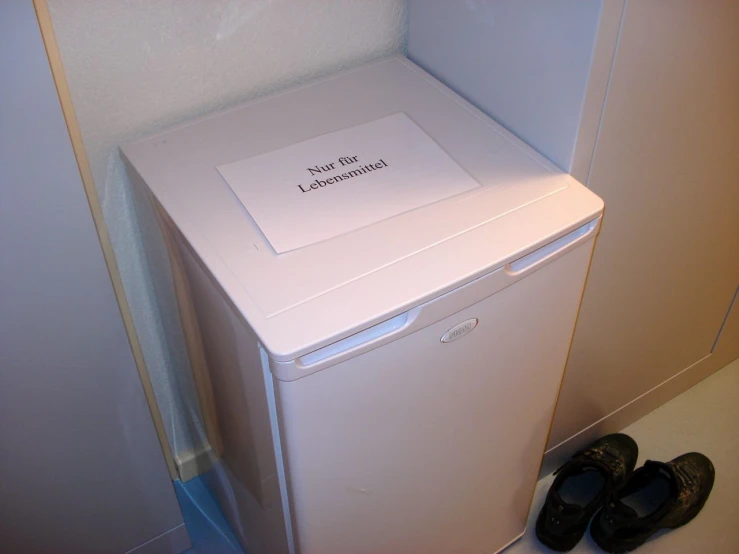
[(666, 163), (725, 351), (65, 99)]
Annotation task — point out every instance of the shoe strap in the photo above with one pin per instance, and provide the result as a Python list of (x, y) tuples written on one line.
[(682, 480), (607, 457), (685, 475)]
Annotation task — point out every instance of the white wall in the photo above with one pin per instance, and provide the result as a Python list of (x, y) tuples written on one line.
[(523, 62), (137, 66), (82, 469)]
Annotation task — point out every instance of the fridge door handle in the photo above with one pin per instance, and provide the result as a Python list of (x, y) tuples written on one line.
[(359, 342), (552, 250), (430, 312)]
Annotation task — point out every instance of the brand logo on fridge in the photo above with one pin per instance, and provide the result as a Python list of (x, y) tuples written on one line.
[(458, 331)]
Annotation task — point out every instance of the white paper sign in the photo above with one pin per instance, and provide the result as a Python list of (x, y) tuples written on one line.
[(339, 182)]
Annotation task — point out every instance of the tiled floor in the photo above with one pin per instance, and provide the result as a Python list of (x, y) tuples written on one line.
[(703, 419)]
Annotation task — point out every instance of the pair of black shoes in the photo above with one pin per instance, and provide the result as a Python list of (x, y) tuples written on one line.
[(626, 506)]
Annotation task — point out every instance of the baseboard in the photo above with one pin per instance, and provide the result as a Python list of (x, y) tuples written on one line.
[(174, 541), (192, 464), (634, 410)]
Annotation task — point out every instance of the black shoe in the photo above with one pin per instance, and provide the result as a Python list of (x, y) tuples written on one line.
[(657, 496), (581, 487)]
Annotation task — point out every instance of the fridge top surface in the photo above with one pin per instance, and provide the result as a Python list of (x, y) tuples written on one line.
[(333, 206)]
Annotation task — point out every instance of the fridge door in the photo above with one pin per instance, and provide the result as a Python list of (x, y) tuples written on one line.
[(432, 445)]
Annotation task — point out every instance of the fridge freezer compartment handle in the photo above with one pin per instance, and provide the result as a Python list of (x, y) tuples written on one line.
[(554, 249), (354, 344), (430, 312)]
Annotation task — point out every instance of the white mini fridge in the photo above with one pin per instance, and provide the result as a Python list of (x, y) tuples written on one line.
[(383, 284)]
